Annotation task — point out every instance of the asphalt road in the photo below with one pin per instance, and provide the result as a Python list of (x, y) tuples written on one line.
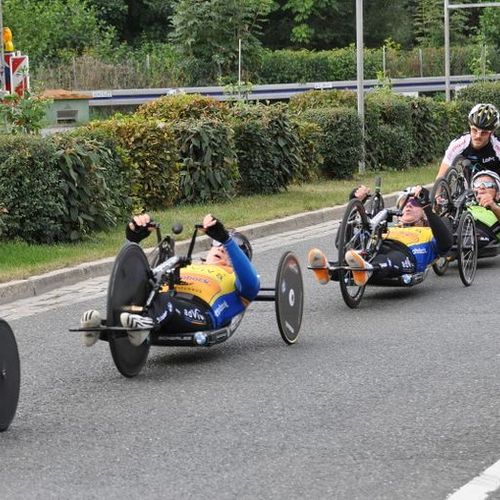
[(395, 400)]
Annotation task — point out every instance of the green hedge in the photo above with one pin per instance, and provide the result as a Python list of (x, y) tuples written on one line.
[(208, 170), (183, 107), (32, 204), (268, 148), (149, 152), (340, 141), (292, 66), (93, 182)]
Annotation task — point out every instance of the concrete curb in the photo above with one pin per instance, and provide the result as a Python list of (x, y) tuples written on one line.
[(37, 285)]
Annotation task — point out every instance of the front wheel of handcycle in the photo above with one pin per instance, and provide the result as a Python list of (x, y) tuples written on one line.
[(353, 235), (10, 375), (128, 287), (467, 248), (289, 300)]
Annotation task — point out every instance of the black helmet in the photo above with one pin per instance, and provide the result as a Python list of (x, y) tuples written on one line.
[(243, 243), (484, 116)]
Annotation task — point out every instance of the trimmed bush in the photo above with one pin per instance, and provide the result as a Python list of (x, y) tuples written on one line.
[(323, 99), (388, 122), (311, 160), (31, 200), (340, 141), (268, 148), (208, 169), (95, 191), (183, 107), (480, 92), (148, 150)]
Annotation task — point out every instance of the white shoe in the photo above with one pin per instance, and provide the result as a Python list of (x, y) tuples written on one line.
[(319, 265), (136, 338), (355, 261), (90, 319)]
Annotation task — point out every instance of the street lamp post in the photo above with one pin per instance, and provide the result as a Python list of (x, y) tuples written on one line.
[(360, 77)]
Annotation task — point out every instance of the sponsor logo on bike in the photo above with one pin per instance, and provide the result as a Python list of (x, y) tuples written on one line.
[(194, 315), (221, 308)]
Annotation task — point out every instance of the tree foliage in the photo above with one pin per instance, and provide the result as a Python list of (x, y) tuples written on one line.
[(209, 31), (62, 27)]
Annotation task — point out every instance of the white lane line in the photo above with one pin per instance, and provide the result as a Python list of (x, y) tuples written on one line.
[(481, 486)]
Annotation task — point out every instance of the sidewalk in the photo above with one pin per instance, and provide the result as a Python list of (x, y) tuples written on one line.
[(37, 285)]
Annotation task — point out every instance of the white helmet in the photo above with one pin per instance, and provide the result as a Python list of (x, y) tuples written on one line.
[(404, 195), (489, 173)]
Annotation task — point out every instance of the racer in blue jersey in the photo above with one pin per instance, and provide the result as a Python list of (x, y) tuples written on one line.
[(408, 248), (210, 294)]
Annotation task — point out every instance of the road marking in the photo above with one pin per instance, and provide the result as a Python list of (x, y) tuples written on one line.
[(481, 486), (96, 288)]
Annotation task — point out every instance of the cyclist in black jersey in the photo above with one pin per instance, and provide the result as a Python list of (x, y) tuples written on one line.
[(480, 146)]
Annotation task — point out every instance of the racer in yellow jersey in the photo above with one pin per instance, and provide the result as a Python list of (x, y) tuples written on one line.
[(210, 295), (408, 248)]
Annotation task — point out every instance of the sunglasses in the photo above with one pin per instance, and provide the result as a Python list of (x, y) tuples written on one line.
[(484, 184), (412, 202)]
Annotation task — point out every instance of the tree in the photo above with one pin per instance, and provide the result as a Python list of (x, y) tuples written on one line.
[(429, 25), (136, 19), (62, 27), (207, 32), (489, 23)]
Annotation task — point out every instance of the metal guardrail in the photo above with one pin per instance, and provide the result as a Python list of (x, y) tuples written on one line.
[(132, 97)]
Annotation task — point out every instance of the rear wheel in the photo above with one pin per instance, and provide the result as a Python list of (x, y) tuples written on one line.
[(10, 375), (128, 286), (353, 235)]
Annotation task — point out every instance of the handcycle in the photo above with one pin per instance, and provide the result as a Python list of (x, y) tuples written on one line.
[(452, 196), (364, 233), (10, 375), (135, 281)]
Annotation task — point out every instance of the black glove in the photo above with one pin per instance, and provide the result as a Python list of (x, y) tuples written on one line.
[(138, 234), (423, 197), (217, 232)]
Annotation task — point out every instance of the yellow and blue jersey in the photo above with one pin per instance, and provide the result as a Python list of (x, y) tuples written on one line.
[(419, 241)]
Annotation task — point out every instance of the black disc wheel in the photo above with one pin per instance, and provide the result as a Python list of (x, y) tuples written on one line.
[(128, 286), (354, 234), (289, 300), (467, 248), (441, 197), (10, 375)]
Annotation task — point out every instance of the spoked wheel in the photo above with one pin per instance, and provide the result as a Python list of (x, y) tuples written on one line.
[(467, 248), (441, 197), (353, 235), (289, 300), (128, 286), (10, 375), (374, 205)]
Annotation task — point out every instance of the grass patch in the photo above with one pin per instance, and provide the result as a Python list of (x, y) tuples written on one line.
[(18, 260)]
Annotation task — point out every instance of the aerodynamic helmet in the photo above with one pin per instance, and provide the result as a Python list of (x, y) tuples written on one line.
[(243, 242), (404, 195), (484, 116), (489, 173)]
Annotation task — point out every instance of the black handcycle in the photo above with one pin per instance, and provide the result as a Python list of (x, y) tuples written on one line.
[(364, 233), (10, 375), (453, 200), (136, 279)]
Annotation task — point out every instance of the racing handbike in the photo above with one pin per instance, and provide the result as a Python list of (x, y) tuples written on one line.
[(136, 279)]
